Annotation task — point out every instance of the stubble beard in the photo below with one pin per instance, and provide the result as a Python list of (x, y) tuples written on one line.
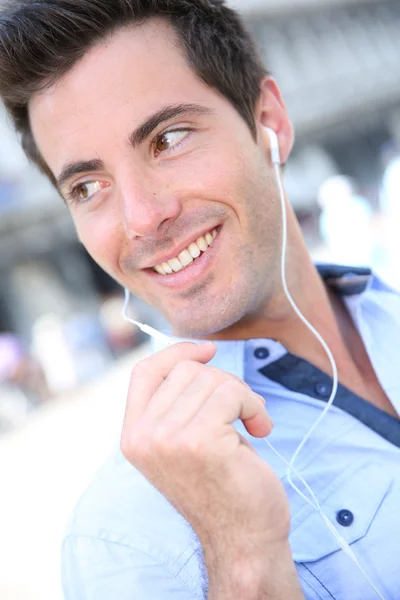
[(245, 296), (255, 275)]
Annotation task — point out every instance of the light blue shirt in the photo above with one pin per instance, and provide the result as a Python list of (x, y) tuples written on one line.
[(126, 542)]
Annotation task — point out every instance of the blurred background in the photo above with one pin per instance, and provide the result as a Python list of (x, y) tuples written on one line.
[(65, 352)]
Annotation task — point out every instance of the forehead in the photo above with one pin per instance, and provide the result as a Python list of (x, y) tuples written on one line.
[(132, 74)]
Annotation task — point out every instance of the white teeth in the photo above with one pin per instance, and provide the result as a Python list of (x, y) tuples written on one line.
[(194, 250), (175, 265), (202, 244), (186, 257), (167, 268)]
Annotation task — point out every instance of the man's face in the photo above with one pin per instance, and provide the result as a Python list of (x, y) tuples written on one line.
[(151, 160)]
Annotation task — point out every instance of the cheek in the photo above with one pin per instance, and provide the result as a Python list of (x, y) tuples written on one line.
[(101, 238), (218, 175)]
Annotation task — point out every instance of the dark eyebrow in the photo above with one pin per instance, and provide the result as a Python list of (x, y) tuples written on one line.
[(81, 166), (165, 114), (139, 135)]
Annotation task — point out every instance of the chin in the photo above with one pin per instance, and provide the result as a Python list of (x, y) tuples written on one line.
[(202, 326)]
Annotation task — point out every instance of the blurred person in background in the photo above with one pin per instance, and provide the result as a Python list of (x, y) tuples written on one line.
[(150, 119), (22, 382), (12, 357), (346, 222), (19, 368)]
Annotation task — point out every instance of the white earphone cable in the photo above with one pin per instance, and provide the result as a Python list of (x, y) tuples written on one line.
[(290, 464), (142, 326)]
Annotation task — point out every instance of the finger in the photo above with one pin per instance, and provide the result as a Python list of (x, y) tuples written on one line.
[(183, 393), (180, 391), (150, 373), (230, 402), (188, 385)]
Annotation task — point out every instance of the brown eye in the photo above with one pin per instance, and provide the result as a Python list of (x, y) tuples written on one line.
[(162, 143), (169, 140), (84, 191)]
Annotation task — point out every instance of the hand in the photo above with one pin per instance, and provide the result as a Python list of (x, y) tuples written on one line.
[(178, 431)]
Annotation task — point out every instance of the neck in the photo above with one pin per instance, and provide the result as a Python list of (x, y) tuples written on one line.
[(328, 315), (277, 320)]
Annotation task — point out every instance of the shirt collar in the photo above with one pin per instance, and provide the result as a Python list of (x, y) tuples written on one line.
[(346, 281)]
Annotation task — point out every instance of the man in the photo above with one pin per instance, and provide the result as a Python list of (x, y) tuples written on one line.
[(149, 117)]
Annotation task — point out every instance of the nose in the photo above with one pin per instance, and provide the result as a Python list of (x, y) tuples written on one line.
[(145, 211)]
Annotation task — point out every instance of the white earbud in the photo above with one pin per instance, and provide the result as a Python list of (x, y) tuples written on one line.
[(274, 145)]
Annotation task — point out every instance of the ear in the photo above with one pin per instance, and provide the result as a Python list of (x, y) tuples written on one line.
[(271, 112)]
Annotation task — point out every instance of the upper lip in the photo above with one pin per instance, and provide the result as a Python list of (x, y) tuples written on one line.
[(182, 246)]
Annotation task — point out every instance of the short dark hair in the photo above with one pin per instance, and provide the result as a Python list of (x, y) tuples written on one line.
[(41, 40)]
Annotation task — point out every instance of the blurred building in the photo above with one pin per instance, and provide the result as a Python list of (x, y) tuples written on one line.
[(338, 65)]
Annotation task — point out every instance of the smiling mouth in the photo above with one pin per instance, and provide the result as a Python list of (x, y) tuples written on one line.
[(188, 256)]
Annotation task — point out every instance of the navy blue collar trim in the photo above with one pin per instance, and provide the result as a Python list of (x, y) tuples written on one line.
[(300, 376), (347, 281)]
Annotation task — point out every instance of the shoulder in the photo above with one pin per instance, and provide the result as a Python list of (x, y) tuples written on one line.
[(123, 534), (121, 506)]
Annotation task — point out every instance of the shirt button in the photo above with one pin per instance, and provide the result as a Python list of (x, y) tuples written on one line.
[(345, 517), (261, 353), (323, 390)]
